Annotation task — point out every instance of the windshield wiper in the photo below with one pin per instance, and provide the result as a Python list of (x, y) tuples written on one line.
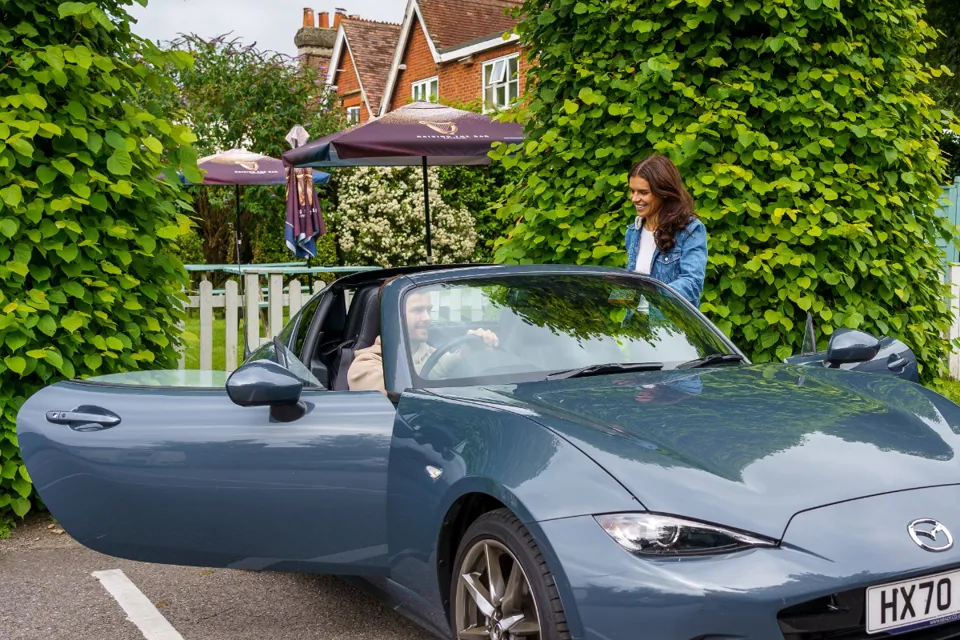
[(602, 369), (714, 358)]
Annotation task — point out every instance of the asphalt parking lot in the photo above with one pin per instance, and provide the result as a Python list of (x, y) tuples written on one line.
[(51, 587)]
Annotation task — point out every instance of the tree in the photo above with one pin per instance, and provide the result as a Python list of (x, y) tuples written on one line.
[(235, 95), (801, 129), (90, 207), (943, 15)]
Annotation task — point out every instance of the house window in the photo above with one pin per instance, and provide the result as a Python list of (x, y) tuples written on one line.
[(426, 90), (353, 115), (501, 82)]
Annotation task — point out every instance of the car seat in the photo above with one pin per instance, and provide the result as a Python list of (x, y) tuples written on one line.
[(360, 331)]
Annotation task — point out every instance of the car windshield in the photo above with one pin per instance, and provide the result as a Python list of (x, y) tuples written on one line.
[(527, 327)]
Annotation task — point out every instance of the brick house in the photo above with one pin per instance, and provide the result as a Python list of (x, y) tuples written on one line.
[(455, 50), (361, 58)]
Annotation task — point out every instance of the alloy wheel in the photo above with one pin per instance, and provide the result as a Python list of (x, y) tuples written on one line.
[(494, 599)]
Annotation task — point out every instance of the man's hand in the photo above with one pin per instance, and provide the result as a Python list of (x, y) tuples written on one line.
[(489, 337)]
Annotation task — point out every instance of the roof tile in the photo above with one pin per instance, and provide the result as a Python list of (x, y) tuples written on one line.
[(372, 44), (453, 23)]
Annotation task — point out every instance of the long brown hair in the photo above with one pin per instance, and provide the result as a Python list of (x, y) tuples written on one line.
[(676, 203)]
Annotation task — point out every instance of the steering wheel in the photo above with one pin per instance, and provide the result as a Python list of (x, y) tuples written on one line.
[(434, 358)]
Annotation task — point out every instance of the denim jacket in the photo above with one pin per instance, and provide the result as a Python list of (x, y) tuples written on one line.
[(683, 267)]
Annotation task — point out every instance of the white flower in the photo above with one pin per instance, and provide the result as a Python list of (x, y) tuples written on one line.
[(381, 218)]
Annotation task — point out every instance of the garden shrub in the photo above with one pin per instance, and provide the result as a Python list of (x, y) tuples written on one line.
[(477, 189), (802, 129), (89, 276), (379, 218)]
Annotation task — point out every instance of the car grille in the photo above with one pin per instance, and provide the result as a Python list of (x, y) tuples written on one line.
[(841, 617)]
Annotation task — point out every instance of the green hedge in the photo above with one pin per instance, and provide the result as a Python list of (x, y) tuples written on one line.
[(801, 128), (89, 279)]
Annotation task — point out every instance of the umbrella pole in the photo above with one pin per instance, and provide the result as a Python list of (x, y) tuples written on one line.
[(243, 306), (426, 209)]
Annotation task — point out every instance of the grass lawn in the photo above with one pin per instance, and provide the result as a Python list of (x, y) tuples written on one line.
[(192, 349)]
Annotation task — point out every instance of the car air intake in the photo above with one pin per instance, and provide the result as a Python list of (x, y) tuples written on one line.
[(841, 617)]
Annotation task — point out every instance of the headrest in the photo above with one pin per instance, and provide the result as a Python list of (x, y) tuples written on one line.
[(369, 320)]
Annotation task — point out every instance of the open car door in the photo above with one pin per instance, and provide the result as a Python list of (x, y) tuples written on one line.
[(168, 467)]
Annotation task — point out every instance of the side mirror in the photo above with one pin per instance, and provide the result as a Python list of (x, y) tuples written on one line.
[(850, 345), (264, 383)]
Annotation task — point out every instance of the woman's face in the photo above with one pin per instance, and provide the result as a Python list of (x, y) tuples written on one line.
[(642, 197)]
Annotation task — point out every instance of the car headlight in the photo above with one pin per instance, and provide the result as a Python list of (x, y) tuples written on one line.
[(652, 534)]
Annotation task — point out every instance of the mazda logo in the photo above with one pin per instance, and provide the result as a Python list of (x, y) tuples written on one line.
[(930, 535)]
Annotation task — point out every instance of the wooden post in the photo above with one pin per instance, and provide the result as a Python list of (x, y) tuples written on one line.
[(232, 319), (251, 293), (182, 361), (206, 325), (955, 326), (296, 300), (275, 303), (318, 285)]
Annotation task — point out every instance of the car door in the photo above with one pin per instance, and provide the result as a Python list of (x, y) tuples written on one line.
[(164, 467)]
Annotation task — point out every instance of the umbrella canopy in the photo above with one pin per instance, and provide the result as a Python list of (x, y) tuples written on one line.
[(242, 167), (403, 137), (421, 133)]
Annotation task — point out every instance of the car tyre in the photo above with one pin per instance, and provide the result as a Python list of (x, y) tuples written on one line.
[(498, 543)]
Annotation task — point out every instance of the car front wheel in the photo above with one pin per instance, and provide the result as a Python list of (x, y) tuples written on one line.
[(501, 587)]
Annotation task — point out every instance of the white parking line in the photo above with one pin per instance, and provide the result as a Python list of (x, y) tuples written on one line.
[(140, 611)]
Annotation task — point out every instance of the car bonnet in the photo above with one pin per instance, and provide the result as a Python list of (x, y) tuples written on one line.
[(748, 446)]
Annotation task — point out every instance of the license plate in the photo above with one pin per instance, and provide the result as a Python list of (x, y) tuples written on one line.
[(914, 604)]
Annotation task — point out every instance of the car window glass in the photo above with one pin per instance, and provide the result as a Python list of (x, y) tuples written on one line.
[(291, 363), (306, 317), (541, 325)]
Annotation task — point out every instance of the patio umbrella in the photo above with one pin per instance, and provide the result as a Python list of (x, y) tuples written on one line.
[(243, 167), (421, 133)]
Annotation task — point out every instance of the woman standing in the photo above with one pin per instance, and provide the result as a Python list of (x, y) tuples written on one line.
[(666, 241)]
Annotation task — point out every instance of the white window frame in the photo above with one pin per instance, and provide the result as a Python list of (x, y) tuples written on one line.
[(504, 83), (353, 115), (420, 90)]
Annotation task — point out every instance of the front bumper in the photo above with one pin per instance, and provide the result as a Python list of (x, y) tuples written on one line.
[(806, 589)]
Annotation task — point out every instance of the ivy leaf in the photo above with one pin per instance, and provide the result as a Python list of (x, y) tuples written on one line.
[(63, 166), (20, 506), (93, 361), (9, 227), (15, 364), (72, 322), (153, 144), (11, 195), (120, 164), (77, 110), (47, 325), (67, 9), (46, 174)]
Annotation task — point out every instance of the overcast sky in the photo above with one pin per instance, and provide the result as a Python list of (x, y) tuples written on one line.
[(270, 23)]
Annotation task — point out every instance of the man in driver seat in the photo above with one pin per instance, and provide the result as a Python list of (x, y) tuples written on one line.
[(366, 370)]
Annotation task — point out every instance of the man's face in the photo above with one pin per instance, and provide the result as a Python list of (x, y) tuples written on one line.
[(418, 316)]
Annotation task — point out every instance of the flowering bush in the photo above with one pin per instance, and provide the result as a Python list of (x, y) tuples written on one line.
[(380, 218)]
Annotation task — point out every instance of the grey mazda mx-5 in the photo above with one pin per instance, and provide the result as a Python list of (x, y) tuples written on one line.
[(532, 452)]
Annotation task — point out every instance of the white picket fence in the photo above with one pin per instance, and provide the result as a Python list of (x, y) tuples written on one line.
[(954, 279), (448, 305), (279, 296)]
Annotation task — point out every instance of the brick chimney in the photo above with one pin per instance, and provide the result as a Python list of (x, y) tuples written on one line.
[(315, 43), (340, 15)]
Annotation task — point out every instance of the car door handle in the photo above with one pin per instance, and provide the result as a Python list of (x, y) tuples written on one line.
[(85, 418), (899, 363)]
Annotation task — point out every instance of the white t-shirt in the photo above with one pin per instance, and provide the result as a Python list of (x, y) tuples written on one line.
[(645, 253)]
